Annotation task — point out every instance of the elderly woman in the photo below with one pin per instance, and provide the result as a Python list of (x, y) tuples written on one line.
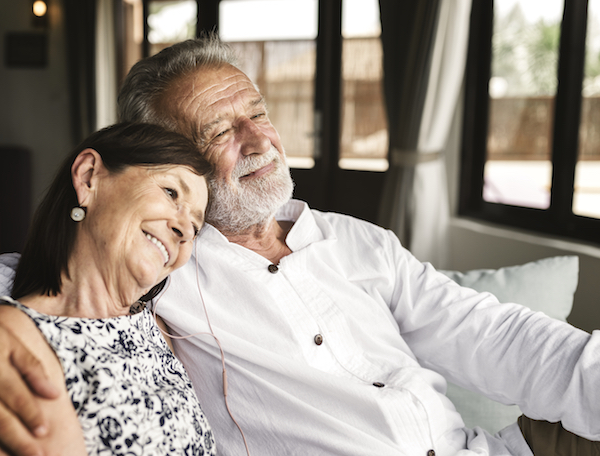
[(121, 214)]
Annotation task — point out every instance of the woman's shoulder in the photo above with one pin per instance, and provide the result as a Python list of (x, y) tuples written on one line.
[(15, 319)]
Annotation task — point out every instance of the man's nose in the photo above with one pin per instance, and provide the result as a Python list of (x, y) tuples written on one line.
[(253, 140)]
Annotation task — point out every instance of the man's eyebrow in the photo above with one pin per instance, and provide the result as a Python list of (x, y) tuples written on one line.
[(209, 126), (258, 101)]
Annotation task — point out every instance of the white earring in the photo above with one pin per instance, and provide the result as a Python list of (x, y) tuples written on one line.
[(78, 213)]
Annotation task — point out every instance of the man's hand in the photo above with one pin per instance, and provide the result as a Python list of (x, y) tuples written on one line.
[(21, 377)]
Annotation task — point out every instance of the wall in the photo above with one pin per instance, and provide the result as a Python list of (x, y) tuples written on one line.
[(476, 245), (34, 102)]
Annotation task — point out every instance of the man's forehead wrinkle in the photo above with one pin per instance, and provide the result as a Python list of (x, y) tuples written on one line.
[(191, 96), (208, 99), (189, 109)]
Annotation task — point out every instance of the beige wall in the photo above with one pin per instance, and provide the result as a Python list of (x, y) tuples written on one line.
[(34, 102)]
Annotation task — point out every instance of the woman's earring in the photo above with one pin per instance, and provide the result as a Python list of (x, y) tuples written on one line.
[(78, 213)]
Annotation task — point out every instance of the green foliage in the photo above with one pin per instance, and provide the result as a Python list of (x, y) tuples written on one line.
[(525, 55)]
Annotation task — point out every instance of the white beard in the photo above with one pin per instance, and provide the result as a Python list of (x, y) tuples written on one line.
[(238, 207)]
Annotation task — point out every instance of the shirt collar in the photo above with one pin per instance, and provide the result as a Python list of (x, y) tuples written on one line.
[(309, 226)]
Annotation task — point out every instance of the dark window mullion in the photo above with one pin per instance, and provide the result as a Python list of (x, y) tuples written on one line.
[(208, 16), (567, 110), (475, 122), (328, 94), (145, 42)]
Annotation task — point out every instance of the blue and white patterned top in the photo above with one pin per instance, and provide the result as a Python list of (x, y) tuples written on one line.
[(132, 396)]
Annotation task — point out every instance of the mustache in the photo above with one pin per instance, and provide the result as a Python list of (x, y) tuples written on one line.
[(253, 163)]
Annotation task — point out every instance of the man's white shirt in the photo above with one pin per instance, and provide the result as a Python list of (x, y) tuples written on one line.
[(310, 343)]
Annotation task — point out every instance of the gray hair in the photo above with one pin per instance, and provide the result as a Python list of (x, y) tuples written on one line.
[(149, 78)]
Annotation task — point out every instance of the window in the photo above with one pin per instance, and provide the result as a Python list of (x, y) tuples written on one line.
[(169, 22), (531, 139), (276, 43), (364, 137), (145, 27)]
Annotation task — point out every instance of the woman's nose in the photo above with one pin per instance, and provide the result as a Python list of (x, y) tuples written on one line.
[(184, 228)]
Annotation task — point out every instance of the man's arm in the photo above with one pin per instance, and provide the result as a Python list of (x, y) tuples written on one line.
[(21, 378), (505, 351), (62, 434)]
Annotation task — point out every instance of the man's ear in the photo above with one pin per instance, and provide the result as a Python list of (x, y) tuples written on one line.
[(86, 170)]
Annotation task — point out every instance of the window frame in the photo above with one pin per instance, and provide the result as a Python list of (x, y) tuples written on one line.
[(559, 219)]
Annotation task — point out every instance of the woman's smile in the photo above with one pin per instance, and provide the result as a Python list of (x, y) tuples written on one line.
[(161, 247)]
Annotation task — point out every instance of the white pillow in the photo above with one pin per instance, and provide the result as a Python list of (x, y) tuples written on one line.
[(8, 267), (545, 285)]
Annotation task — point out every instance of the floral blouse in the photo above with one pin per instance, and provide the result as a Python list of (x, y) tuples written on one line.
[(132, 396)]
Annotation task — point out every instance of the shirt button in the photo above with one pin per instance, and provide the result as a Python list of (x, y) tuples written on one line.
[(273, 269), (379, 384), (318, 339), (431, 453)]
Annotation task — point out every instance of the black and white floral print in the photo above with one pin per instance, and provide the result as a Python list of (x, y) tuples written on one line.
[(131, 394)]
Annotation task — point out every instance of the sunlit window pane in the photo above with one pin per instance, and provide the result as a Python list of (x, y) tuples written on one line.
[(170, 22), (275, 40), (522, 89), (364, 137), (586, 195), (267, 20)]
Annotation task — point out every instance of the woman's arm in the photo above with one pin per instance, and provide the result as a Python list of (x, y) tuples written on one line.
[(64, 434)]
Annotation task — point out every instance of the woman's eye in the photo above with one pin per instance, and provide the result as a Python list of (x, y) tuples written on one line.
[(171, 192), (196, 230)]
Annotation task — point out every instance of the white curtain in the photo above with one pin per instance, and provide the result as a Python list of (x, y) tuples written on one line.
[(430, 192), (417, 206), (106, 73)]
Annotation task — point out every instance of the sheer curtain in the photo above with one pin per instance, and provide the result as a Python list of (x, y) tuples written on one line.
[(424, 47), (106, 64)]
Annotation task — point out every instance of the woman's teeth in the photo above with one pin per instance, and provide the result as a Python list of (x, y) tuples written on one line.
[(160, 246)]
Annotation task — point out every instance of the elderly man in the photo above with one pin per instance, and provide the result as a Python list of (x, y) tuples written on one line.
[(337, 340)]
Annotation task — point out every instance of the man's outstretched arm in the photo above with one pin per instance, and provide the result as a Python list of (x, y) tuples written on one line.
[(22, 378)]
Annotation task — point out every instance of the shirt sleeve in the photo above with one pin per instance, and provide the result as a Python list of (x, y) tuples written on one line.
[(502, 350), (8, 266)]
